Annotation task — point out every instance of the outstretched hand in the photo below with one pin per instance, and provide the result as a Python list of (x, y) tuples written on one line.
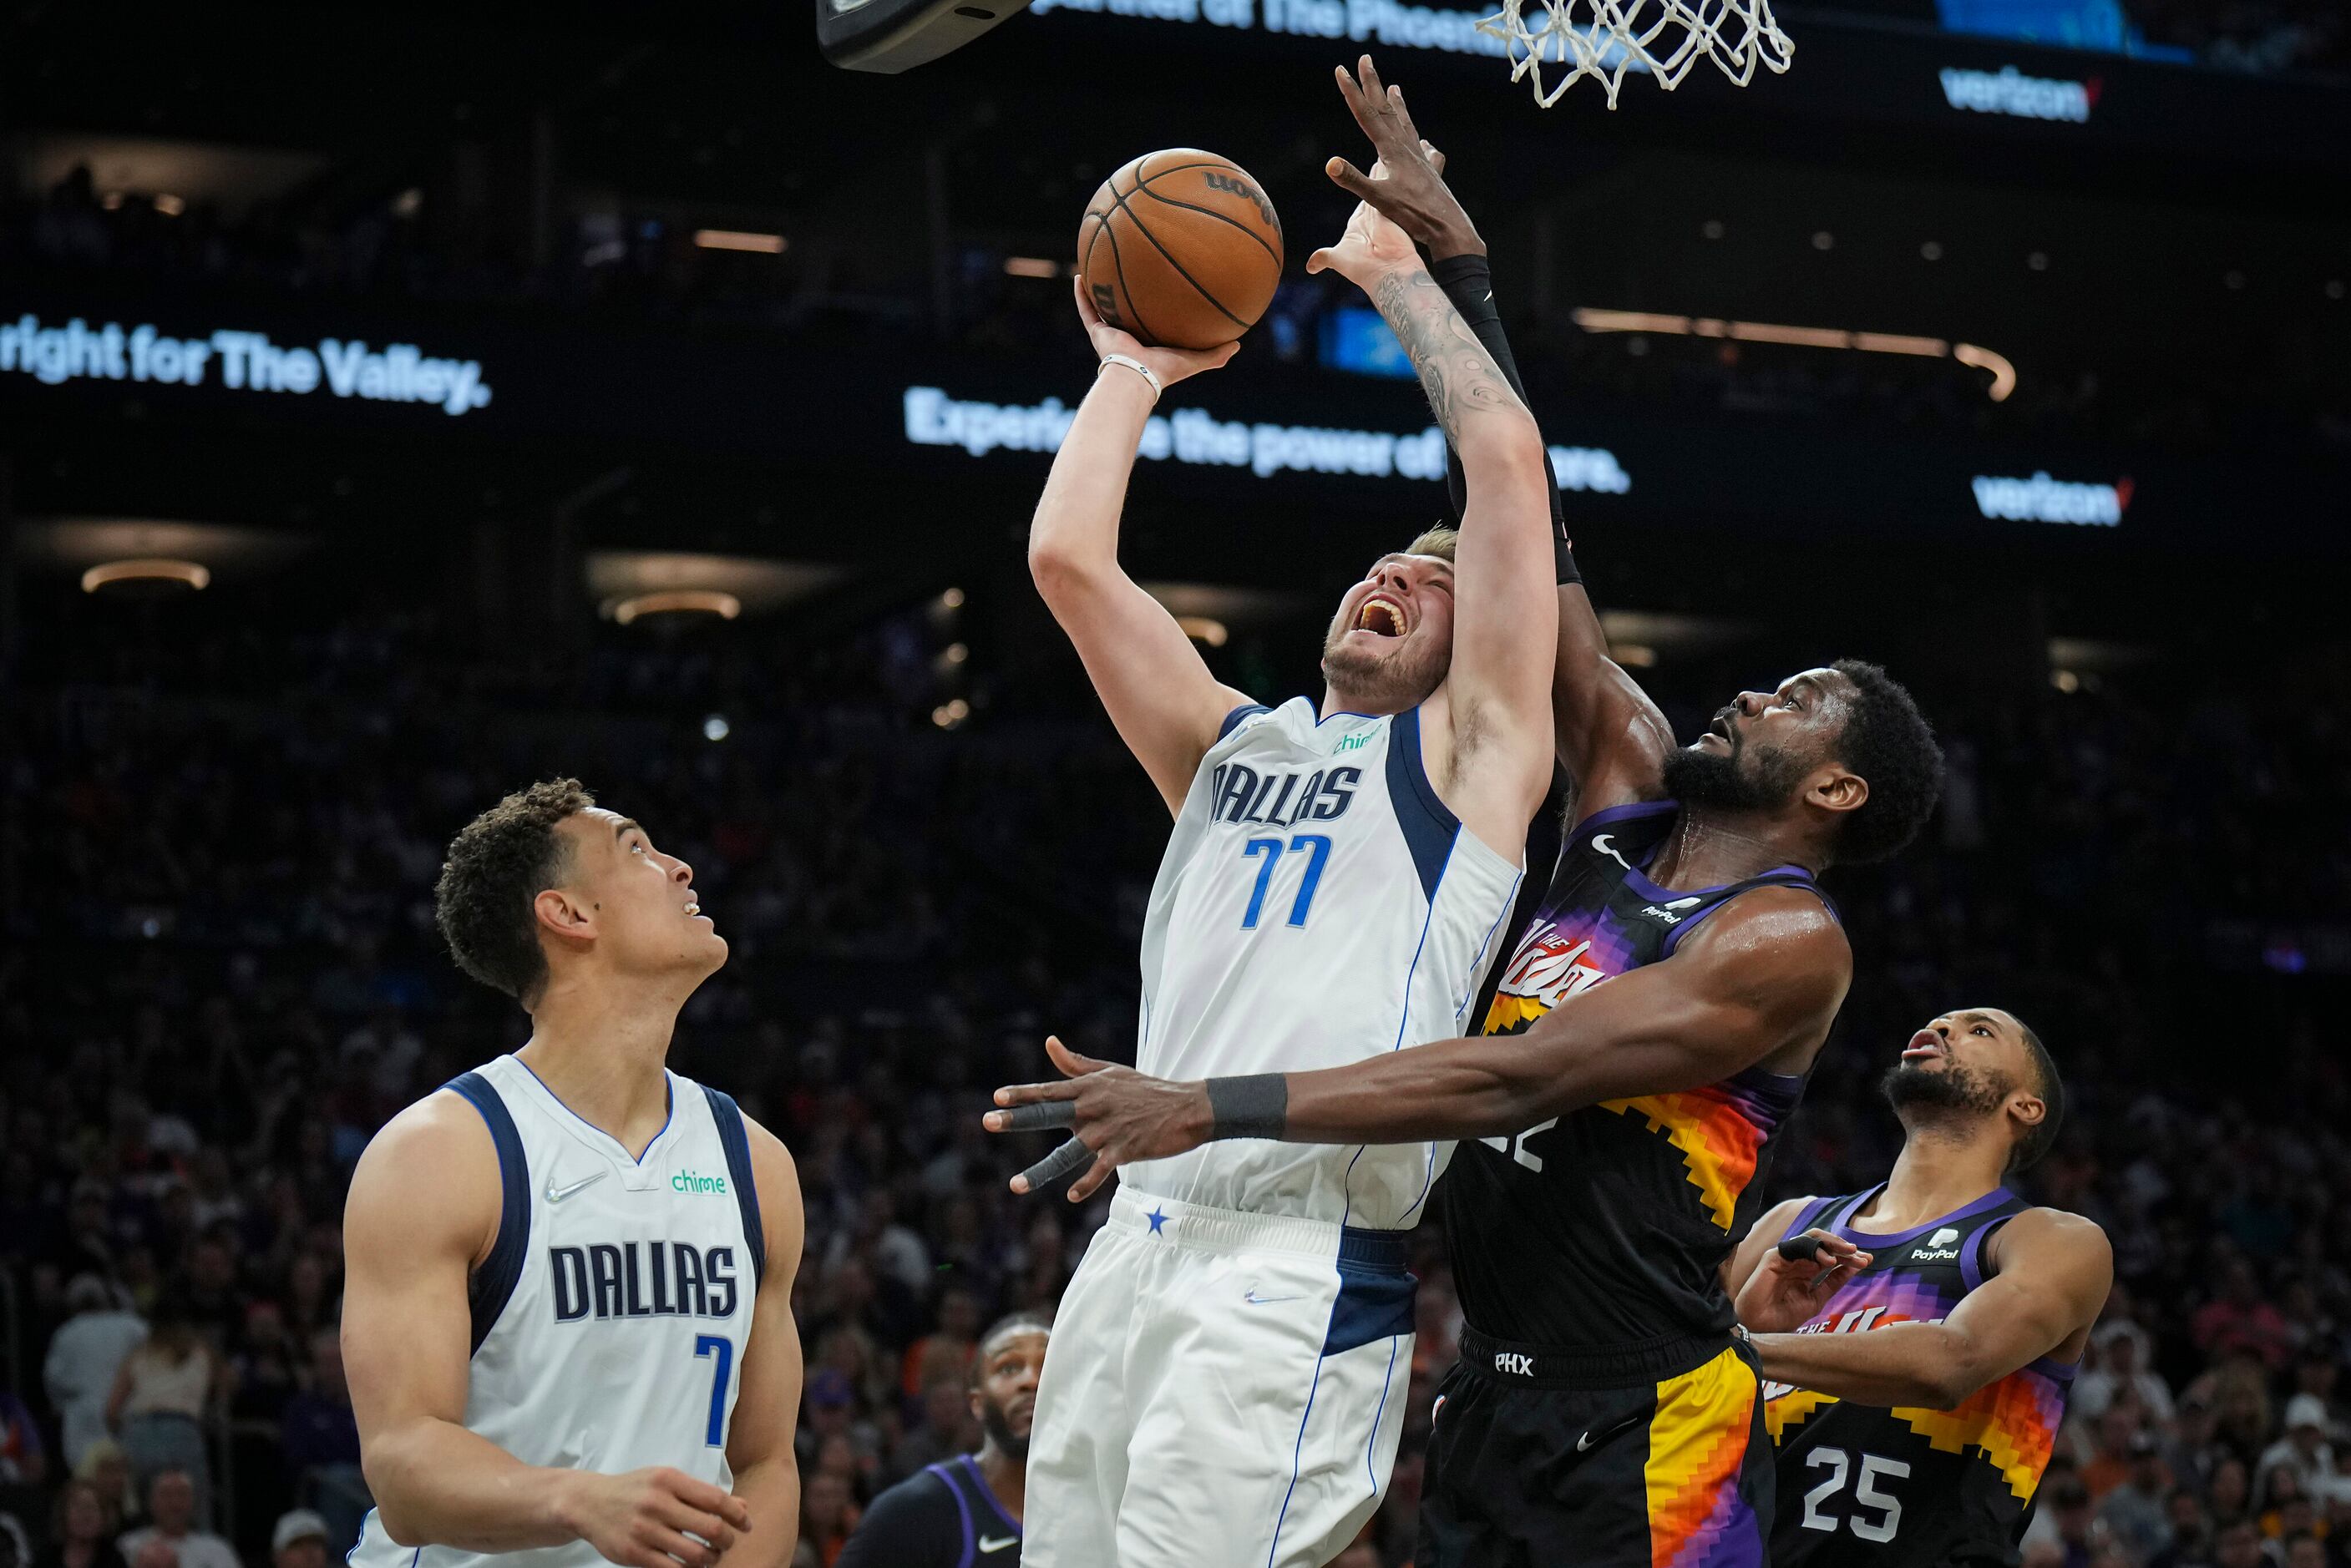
[(1407, 184), (1115, 1116), (1785, 1292), (1171, 365)]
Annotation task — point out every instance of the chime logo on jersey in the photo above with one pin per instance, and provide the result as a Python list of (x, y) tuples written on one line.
[(641, 1279), (1238, 793)]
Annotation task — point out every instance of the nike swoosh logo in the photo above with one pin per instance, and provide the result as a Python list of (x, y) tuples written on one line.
[(558, 1194), (996, 1543), (1256, 1300), (1583, 1444)]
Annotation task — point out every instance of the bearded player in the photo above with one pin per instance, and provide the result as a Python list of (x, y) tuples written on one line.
[(567, 1308), (1920, 1338), (1648, 1039), (1226, 1379)]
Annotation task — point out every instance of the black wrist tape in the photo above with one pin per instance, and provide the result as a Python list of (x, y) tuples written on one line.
[(1256, 1105), (1563, 556)]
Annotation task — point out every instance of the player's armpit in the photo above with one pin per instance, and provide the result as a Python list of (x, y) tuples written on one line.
[(767, 1402)]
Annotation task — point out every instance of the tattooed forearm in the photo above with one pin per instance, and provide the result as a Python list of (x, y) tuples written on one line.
[(1460, 378)]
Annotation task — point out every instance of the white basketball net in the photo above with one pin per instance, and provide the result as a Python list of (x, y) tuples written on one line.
[(1606, 38)]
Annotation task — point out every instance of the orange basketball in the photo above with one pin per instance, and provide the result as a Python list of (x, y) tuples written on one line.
[(1181, 248)]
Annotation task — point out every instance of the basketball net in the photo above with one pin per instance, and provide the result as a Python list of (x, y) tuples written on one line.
[(1606, 38)]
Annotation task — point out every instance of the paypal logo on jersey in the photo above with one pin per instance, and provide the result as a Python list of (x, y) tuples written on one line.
[(1238, 793), (641, 1279)]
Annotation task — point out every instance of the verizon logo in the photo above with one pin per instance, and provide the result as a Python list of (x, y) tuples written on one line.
[(2009, 92), (2042, 499)]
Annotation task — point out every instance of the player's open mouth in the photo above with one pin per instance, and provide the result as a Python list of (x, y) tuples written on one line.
[(693, 907), (1381, 617), (1924, 1046)]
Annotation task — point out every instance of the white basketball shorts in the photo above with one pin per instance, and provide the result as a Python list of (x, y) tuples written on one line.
[(1222, 1390)]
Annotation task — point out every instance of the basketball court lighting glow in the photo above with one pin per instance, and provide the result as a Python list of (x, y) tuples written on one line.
[(170, 206), (1031, 267), (739, 240), (676, 601), (952, 598), (145, 569), (1202, 629), (2003, 373)]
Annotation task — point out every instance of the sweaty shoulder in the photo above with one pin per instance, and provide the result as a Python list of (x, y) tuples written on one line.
[(1782, 934), (430, 1178)]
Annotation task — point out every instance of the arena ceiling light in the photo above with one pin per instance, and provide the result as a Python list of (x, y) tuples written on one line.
[(146, 571), (2003, 373), (739, 240), (1032, 266), (660, 582), (676, 601)]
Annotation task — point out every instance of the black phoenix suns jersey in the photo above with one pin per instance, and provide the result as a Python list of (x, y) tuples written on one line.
[(1862, 1487), (1605, 1227)]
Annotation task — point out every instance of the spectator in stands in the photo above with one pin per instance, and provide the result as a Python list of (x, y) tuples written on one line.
[(81, 1532), (298, 1541), (161, 1396), (2121, 1367), (2239, 1319), (322, 1443), (2135, 1511), (108, 1471), (23, 1459), (827, 1516), (86, 1351), (2190, 1544), (2238, 1546), (2304, 1449), (173, 1530)]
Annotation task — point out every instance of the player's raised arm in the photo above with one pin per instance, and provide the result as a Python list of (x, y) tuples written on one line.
[(2054, 1270), (1505, 618), (1764, 977), (1610, 736), (1166, 706), (766, 1405), (423, 1211)]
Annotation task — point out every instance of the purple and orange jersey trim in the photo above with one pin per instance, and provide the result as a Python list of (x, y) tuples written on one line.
[(1720, 1131)]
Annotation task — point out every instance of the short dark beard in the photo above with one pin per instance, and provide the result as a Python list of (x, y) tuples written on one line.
[(1952, 1093), (1713, 782), (999, 1427)]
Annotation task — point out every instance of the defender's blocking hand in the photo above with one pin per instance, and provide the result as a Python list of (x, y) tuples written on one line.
[(1407, 180), (1116, 1114)]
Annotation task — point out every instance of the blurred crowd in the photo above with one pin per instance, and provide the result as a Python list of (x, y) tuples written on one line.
[(218, 975)]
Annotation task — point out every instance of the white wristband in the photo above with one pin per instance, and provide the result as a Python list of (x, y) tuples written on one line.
[(1140, 368)]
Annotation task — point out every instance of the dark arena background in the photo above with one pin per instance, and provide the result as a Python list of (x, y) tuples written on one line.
[(627, 393)]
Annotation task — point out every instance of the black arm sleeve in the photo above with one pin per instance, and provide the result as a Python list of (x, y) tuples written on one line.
[(914, 1524), (1469, 283)]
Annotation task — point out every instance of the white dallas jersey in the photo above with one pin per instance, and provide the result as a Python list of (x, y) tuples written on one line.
[(1318, 905), (609, 1319)]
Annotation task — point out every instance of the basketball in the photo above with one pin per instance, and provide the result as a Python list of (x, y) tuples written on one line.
[(1180, 248)]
